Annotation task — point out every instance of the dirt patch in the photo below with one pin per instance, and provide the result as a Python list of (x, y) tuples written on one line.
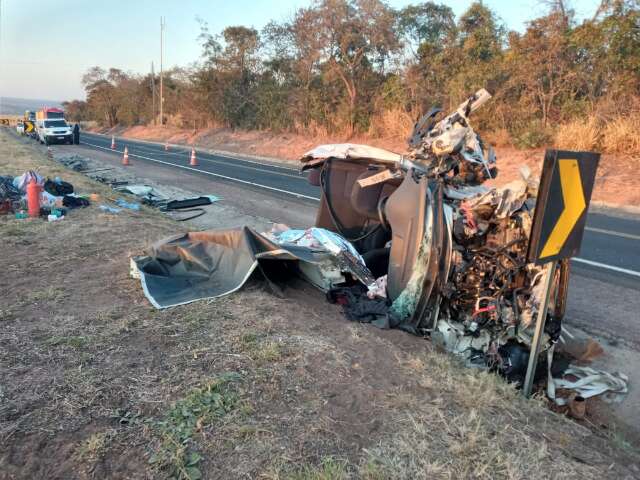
[(95, 383), (616, 182)]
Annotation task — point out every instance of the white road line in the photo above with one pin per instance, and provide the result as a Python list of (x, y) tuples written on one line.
[(149, 151), (613, 232), (187, 149), (605, 266), (300, 195)]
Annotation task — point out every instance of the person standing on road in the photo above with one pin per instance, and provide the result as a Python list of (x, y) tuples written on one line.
[(76, 134)]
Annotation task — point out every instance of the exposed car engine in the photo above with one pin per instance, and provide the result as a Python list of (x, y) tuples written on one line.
[(492, 293)]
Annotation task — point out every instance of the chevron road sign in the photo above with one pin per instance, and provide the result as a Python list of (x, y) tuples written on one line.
[(561, 208)]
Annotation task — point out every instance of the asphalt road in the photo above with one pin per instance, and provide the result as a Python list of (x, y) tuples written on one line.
[(610, 247), (284, 179)]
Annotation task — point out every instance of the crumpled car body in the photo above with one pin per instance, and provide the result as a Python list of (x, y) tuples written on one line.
[(453, 251)]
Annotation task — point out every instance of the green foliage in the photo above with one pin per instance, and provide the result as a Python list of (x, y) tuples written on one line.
[(533, 135), (427, 22), (329, 469), (201, 407), (73, 341)]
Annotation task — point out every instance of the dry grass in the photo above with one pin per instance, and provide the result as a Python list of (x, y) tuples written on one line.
[(580, 135), (91, 450), (314, 130), (498, 138), (473, 425), (622, 135), (392, 123), (618, 135)]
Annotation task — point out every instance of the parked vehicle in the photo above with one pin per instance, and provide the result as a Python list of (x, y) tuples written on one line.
[(51, 127), (50, 113), (54, 131)]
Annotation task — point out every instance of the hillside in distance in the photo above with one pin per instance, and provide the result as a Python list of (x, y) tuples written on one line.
[(17, 106)]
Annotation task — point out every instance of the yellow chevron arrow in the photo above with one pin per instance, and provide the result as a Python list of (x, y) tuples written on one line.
[(574, 205)]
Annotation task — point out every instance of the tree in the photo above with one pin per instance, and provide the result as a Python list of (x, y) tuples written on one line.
[(296, 51), (101, 93), (76, 110), (431, 30), (427, 23), (542, 65), (356, 36)]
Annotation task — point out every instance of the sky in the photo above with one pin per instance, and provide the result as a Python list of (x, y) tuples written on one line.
[(46, 46)]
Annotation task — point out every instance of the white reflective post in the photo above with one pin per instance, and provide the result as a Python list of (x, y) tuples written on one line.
[(550, 270)]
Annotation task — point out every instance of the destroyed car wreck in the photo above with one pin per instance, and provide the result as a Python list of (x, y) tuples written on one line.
[(410, 241)]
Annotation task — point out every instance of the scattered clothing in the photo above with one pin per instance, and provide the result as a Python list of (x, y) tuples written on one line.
[(73, 201), (23, 180), (57, 187), (358, 307), (8, 191)]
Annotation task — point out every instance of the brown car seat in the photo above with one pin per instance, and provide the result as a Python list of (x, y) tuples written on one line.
[(339, 214)]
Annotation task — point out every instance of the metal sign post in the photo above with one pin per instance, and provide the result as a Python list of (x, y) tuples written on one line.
[(541, 320)]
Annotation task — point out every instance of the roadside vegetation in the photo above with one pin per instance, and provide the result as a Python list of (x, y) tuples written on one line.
[(340, 68)]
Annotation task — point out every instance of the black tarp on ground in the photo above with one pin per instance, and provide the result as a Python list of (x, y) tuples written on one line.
[(201, 265)]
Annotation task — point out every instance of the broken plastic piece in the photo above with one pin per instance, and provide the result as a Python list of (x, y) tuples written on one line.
[(588, 382), (107, 209)]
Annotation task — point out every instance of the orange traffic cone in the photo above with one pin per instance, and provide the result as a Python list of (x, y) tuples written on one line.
[(166, 146), (194, 161), (113, 142), (49, 153), (125, 157)]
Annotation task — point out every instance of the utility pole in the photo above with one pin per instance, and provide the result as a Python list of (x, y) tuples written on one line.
[(153, 94), (1, 33), (161, 72)]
